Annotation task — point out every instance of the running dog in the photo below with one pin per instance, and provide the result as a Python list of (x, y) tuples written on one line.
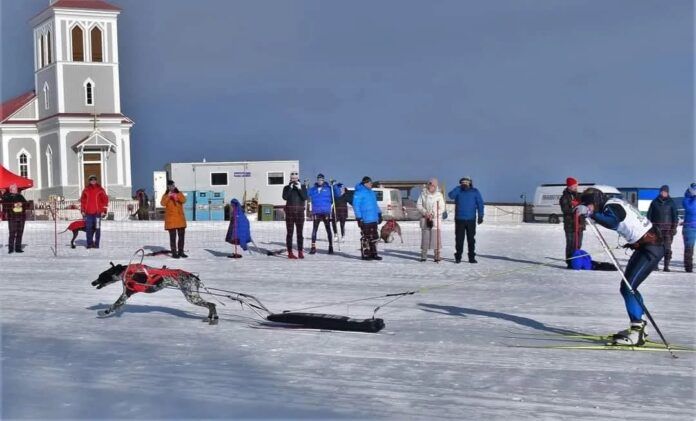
[(141, 278)]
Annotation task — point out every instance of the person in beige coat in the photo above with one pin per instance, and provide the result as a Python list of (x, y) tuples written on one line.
[(431, 205)]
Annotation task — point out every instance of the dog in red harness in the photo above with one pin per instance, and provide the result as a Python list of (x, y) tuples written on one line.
[(75, 227), (141, 278)]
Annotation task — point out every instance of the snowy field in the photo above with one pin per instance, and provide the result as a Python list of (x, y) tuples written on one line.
[(474, 343)]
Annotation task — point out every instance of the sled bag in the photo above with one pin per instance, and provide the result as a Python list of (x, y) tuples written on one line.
[(328, 321)]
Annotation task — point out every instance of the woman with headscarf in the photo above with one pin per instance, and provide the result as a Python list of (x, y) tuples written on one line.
[(431, 205)]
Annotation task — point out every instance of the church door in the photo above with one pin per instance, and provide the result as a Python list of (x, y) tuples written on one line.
[(92, 165)]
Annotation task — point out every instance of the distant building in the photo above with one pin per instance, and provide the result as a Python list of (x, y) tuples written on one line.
[(640, 197), (265, 178), (70, 126)]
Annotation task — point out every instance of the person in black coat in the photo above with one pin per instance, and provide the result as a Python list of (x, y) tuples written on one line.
[(341, 208), (295, 196), (14, 207), (572, 225), (663, 214)]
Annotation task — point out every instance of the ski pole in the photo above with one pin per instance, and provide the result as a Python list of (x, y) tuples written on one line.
[(335, 215), (601, 239)]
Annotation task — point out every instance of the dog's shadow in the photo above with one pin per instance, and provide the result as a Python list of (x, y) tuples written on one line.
[(134, 308)]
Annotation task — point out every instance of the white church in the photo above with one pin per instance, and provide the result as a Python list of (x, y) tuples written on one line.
[(70, 126)]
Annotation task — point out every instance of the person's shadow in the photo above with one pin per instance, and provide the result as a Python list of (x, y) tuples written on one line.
[(523, 321), (512, 259)]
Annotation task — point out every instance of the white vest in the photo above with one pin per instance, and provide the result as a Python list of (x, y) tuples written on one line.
[(635, 225)]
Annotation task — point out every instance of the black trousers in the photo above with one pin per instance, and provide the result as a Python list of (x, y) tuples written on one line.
[(173, 244), (294, 219), (570, 244), (370, 236), (465, 228), (16, 231), (317, 219), (667, 237), (342, 216)]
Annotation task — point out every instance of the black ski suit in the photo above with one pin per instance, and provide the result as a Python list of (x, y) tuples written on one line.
[(295, 196)]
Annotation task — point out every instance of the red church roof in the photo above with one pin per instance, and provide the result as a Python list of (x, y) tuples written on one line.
[(85, 4), (13, 105)]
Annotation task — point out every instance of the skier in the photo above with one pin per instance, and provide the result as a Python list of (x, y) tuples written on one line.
[(321, 196), (468, 202), (174, 219), (643, 238), (369, 216), (341, 209), (572, 224), (93, 203), (295, 196), (663, 214), (15, 208), (689, 228), (431, 205)]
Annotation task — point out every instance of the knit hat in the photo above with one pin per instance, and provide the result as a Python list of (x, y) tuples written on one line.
[(92, 177), (664, 188), (320, 176), (692, 189), (465, 179), (570, 181), (366, 180), (170, 182)]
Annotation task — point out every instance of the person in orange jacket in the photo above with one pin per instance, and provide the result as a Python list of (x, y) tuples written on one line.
[(93, 203), (174, 219)]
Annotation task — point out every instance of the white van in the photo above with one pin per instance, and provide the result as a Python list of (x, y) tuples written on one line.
[(547, 196), (388, 200)]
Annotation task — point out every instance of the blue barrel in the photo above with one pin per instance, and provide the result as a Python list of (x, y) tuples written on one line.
[(202, 205), (189, 208), (217, 206)]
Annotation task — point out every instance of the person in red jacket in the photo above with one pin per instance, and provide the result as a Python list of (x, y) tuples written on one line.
[(93, 205)]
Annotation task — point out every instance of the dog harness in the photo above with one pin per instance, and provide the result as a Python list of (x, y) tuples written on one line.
[(143, 278)]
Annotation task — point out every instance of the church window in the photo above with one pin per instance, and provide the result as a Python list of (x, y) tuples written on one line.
[(89, 93), (41, 52), (78, 44), (46, 92), (49, 166), (96, 37), (23, 161), (49, 55)]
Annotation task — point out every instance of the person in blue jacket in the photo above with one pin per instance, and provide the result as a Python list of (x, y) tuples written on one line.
[(689, 228), (369, 216), (322, 204), (468, 211), (238, 231)]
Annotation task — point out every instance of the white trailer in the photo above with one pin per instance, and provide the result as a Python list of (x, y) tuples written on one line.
[(239, 180)]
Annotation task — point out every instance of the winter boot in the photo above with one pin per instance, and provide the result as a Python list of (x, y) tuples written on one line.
[(331, 250), (300, 254), (313, 250), (291, 255), (437, 258), (424, 255), (175, 255), (472, 258), (182, 254), (689, 259), (666, 268), (457, 258), (633, 336)]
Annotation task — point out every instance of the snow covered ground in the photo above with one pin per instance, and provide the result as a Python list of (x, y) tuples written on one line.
[(465, 347)]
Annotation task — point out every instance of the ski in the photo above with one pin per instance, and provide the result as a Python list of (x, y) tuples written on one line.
[(603, 339), (607, 347)]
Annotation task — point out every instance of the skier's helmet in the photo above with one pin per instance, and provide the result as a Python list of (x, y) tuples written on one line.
[(593, 196)]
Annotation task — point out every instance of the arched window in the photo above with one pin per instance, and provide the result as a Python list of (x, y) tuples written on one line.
[(49, 166), (23, 163), (89, 92), (42, 58), (78, 44), (96, 37), (46, 92), (49, 45)]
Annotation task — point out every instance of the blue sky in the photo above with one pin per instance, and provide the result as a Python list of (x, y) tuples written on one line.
[(513, 93)]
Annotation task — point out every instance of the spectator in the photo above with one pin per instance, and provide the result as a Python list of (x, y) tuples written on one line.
[(143, 211), (431, 205), (368, 216), (663, 214), (93, 203), (573, 225), (295, 196), (689, 228), (321, 196), (468, 203), (341, 206), (14, 209), (174, 219)]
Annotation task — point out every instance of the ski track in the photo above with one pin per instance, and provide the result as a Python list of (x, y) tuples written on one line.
[(447, 352)]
